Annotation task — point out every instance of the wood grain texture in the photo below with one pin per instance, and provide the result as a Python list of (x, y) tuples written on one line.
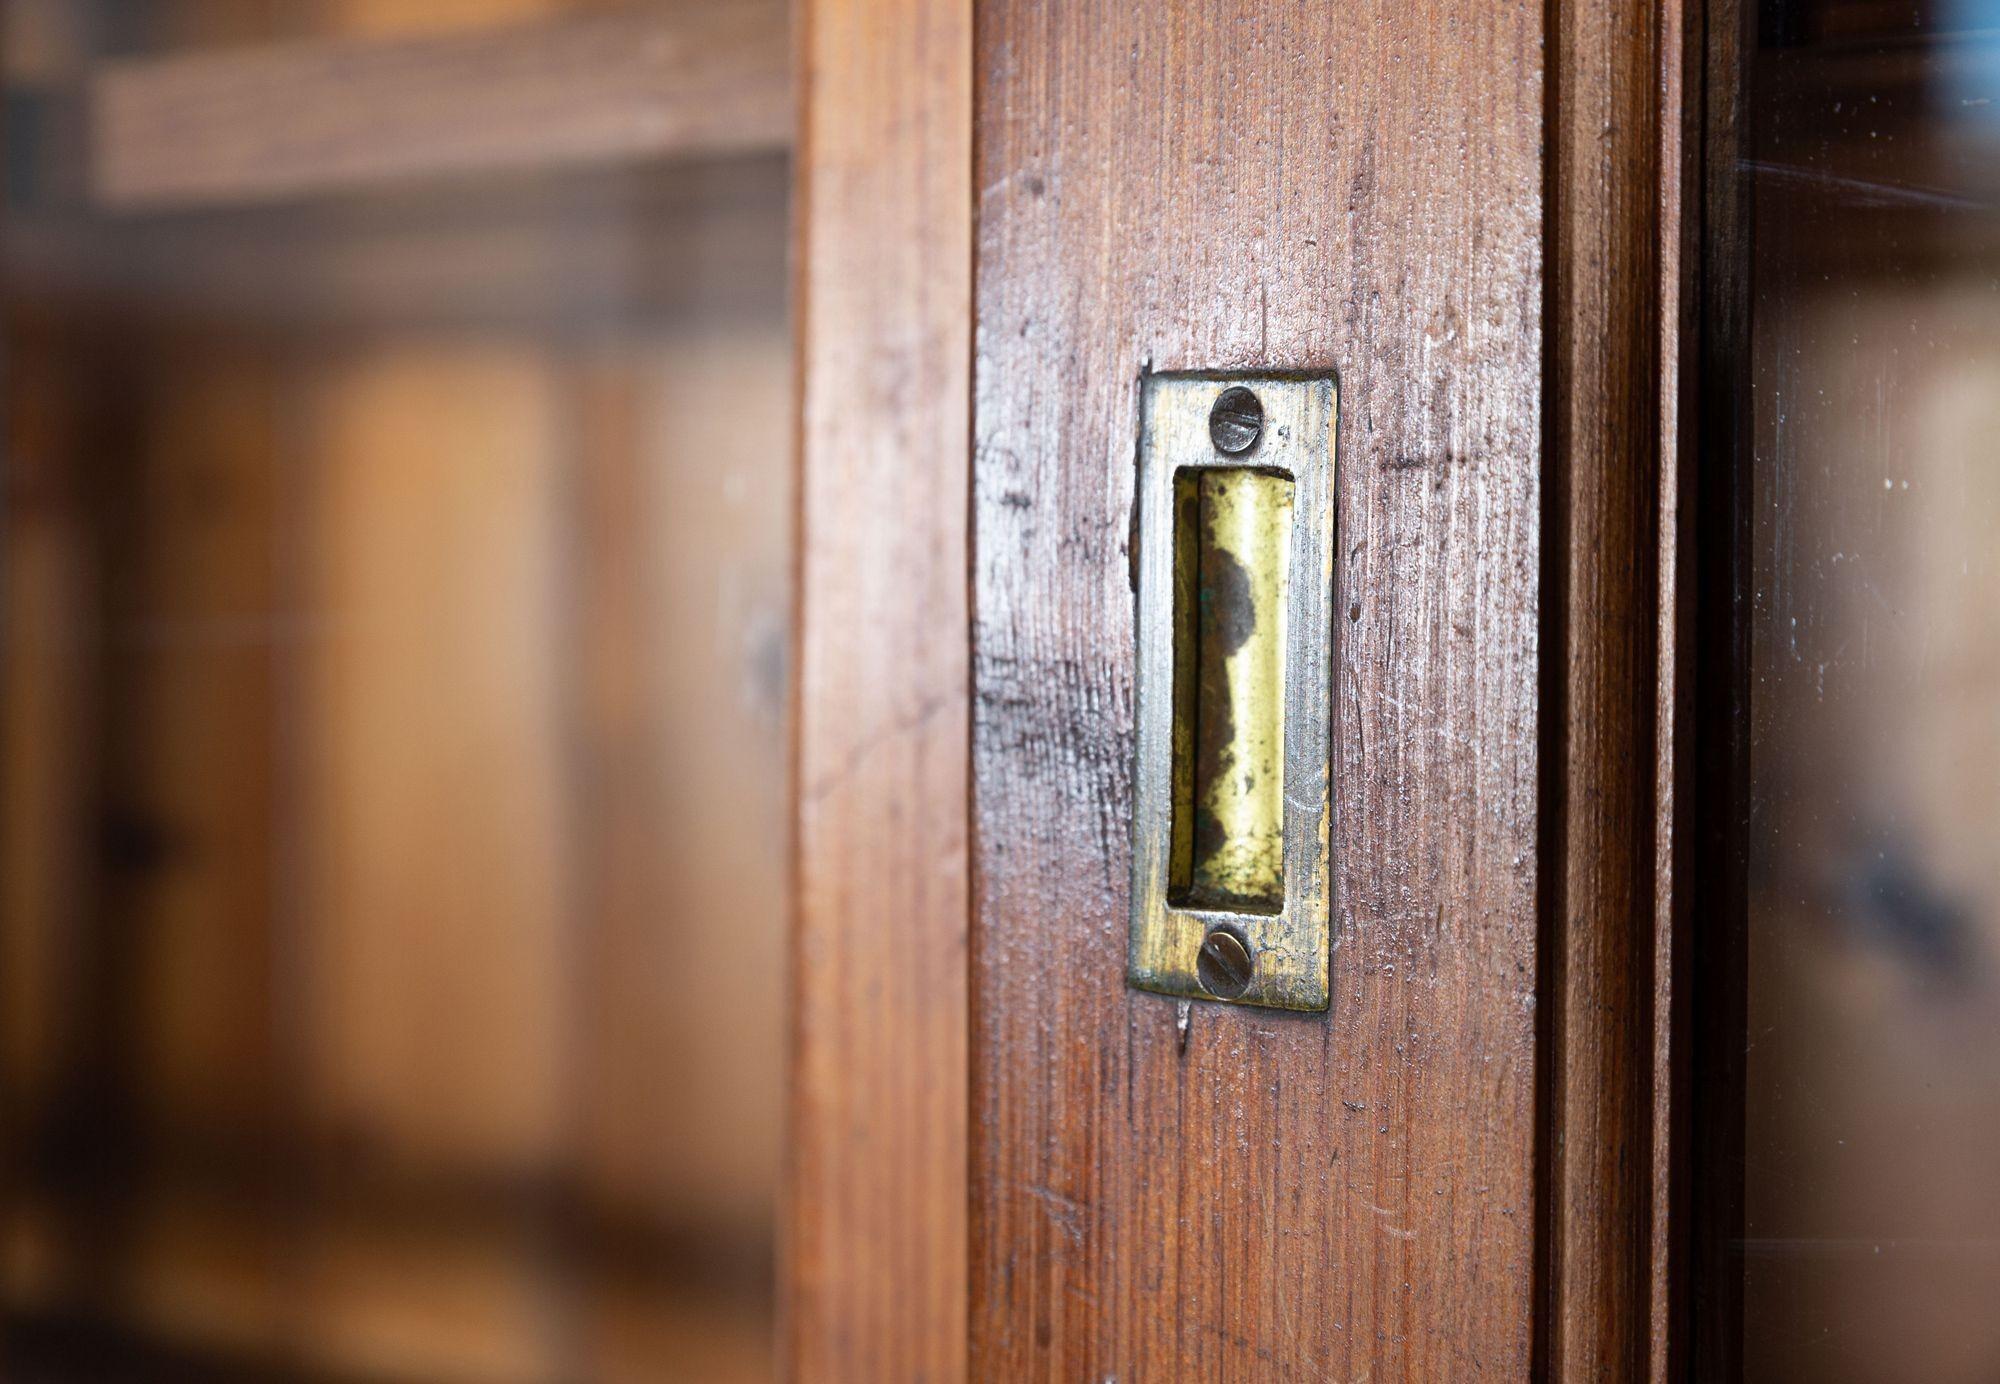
[(875, 1254), (1615, 307), (1603, 426), (1250, 184), (1676, 734), (255, 123)]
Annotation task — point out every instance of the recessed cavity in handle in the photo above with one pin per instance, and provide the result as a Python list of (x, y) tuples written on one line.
[(1232, 563)]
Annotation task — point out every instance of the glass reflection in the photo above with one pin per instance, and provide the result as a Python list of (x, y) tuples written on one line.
[(392, 739), (1871, 1246)]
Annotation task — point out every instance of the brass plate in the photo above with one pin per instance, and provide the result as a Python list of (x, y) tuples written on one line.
[(1234, 568)]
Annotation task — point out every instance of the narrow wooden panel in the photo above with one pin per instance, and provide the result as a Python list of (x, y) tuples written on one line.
[(195, 647), (49, 755), (1675, 734), (1616, 302), (1252, 184), (876, 1238), (683, 575), (245, 124), (515, 253), (436, 965), (1604, 426)]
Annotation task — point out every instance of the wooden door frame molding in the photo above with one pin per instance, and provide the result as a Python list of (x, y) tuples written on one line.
[(1625, 86), (873, 1284), (1644, 923)]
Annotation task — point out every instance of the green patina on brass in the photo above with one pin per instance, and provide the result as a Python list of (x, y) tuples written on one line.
[(1232, 551)]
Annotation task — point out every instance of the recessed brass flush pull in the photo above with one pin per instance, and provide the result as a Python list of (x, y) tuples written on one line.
[(1232, 808)]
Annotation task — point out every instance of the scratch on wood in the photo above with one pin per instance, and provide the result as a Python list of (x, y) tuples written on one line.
[(857, 754)]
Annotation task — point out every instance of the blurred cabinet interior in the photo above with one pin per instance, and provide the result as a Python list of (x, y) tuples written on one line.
[(396, 594)]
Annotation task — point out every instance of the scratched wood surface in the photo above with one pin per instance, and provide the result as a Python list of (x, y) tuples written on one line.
[(875, 1249), (1242, 184)]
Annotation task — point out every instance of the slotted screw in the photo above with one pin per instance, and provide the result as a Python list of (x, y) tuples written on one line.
[(1236, 421), (1223, 965)]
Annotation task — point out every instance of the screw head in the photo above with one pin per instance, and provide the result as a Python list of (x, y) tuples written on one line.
[(1223, 964), (1236, 421)]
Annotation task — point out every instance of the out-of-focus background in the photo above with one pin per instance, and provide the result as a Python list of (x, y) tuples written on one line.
[(1872, 1177), (393, 731)]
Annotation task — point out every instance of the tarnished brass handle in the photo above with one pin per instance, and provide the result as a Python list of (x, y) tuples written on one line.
[(1232, 540), (1234, 563)]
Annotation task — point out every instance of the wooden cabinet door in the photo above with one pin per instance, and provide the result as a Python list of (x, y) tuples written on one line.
[(1260, 187), (1471, 215)]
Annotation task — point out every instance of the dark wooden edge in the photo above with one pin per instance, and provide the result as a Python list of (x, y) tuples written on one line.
[(873, 1266), (1622, 281), (1716, 869), (254, 123), (1600, 621), (1645, 679), (103, 1349)]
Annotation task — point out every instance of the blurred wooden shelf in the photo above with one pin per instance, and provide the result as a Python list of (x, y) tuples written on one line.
[(258, 124)]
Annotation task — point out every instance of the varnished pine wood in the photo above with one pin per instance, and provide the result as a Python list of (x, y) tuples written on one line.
[(1250, 184), (875, 1262), (231, 125)]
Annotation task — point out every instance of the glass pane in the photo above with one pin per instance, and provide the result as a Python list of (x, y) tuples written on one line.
[(1871, 1235), (392, 721)]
